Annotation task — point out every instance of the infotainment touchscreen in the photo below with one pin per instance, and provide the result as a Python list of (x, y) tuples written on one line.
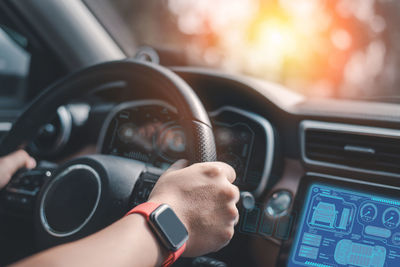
[(346, 227)]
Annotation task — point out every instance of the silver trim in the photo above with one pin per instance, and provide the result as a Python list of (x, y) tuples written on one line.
[(270, 147), (266, 125), (65, 117), (359, 149), (344, 128), (66, 127), (43, 219), (147, 53), (5, 126), (23, 191)]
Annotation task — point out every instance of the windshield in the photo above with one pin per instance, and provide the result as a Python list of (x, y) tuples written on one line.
[(342, 49)]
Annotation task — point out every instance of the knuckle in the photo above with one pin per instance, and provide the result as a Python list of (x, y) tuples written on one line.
[(232, 211), (227, 168), (213, 170), (229, 192), (19, 155), (227, 235), (22, 153), (236, 192)]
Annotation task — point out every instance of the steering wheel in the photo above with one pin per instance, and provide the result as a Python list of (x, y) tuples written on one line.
[(86, 194)]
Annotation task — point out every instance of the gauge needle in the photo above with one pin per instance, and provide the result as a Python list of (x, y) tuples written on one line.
[(367, 213), (388, 220)]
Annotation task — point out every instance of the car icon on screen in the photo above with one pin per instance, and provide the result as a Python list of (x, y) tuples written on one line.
[(347, 252), (324, 215)]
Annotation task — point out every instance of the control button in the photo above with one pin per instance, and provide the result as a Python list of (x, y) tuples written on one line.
[(24, 200), (247, 200), (396, 239), (9, 198), (279, 204), (207, 262)]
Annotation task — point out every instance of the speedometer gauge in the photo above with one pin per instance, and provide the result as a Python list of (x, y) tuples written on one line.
[(368, 212), (127, 133), (171, 143), (391, 218)]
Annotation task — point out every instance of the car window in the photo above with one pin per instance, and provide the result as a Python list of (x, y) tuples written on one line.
[(14, 67), (336, 49)]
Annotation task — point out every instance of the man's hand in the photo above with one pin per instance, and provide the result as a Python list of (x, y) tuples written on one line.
[(12, 163), (204, 198)]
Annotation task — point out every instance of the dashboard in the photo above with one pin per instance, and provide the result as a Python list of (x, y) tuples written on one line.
[(150, 131), (324, 173)]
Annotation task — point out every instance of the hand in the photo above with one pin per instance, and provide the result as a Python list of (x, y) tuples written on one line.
[(13, 162), (204, 198)]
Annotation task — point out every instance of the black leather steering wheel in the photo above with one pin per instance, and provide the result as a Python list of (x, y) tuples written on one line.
[(86, 194), (141, 75)]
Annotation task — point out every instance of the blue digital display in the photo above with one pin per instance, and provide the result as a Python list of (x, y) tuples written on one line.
[(342, 227)]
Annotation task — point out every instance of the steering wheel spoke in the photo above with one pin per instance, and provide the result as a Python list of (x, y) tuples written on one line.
[(144, 186), (20, 195)]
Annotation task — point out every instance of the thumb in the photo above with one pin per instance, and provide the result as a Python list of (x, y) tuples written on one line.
[(180, 164)]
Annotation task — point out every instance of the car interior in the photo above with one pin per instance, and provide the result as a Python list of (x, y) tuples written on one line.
[(301, 101)]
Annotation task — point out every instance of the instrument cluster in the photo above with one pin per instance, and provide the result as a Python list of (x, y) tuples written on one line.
[(150, 131)]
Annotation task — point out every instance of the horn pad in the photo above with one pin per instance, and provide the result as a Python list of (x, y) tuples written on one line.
[(70, 200)]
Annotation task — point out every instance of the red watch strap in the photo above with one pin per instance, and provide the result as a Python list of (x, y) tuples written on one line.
[(146, 209), (173, 256)]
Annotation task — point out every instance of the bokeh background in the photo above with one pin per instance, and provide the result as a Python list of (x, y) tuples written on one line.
[(323, 48)]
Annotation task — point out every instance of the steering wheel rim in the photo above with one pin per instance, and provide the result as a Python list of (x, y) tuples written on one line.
[(195, 120), (112, 179)]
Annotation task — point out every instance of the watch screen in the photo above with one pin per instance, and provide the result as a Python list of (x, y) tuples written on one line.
[(172, 228)]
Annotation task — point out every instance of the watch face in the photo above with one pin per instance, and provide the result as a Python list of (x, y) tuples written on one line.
[(169, 228)]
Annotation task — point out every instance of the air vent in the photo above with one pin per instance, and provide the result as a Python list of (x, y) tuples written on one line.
[(349, 146)]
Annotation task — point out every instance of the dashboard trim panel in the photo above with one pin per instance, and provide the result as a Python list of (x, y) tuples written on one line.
[(269, 133)]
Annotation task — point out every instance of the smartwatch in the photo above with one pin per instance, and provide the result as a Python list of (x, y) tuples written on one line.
[(166, 225)]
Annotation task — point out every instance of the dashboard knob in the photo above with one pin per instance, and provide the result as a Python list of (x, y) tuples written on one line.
[(279, 203), (247, 200)]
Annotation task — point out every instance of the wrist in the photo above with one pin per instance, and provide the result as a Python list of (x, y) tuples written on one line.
[(166, 227), (138, 221)]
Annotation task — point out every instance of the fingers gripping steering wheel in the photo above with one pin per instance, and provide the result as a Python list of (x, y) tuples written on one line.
[(87, 194)]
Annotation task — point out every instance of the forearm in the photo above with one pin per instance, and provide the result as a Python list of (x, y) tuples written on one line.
[(128, 242)]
